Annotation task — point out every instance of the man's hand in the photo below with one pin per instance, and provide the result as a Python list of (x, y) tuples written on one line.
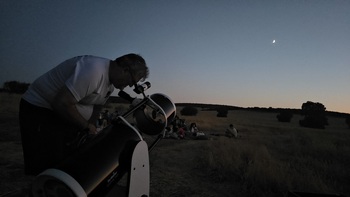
[(92, 129)]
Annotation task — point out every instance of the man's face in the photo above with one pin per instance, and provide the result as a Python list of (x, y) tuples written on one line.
[(127, 78)]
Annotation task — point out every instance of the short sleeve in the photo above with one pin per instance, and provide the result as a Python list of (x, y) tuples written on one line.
[(84, 80)]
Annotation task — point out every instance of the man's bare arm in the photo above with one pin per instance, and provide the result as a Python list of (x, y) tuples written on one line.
[(64, 104)]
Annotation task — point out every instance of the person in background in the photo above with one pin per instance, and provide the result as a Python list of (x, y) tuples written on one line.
[(66, 101), (196, 133), (231, 132), (193, 129), (102, 122), (181, 133), (170, 134)]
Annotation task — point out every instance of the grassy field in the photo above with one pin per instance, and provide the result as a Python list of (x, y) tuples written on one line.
[(274, 157), (268, 159)]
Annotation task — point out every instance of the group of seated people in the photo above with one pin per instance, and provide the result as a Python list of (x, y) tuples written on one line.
[(179, 130)]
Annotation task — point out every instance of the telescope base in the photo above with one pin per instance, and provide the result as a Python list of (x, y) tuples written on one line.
[(57, 183), (138, 176)]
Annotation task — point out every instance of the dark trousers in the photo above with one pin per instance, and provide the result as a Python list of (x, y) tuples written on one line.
[(46, 138)]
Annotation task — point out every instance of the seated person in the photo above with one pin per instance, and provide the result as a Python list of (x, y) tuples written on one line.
[(231, 132), (181, 132), (196, 133), (193, 129), (170, 134)]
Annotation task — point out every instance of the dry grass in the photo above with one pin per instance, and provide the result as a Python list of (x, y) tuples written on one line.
[(273, 157), (269, 159), (9, 103)]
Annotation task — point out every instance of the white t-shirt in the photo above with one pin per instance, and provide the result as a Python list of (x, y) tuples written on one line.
[(85, 76)]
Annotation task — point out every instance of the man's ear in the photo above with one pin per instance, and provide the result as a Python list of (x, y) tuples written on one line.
[(126, 69)]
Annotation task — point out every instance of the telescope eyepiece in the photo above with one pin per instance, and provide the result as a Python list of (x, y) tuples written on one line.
[(142, 87)]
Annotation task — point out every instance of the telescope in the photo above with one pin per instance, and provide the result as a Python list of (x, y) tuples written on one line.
[(119, 150)]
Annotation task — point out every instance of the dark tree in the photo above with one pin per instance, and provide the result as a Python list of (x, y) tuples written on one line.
[(189, 111), (315, 115), (222, 112), (347, 120), (284, 116), (15, 87)]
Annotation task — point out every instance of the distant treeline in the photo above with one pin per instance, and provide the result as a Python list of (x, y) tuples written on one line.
[(20, 87), (215, 107)]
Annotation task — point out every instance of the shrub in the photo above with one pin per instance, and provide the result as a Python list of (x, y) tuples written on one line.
[(15, 87), (316, 122), (222, 112), (284, 116), (189, 111), (315, 115), (347, 120)]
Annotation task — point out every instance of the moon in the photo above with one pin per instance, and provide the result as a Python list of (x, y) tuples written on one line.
[(273, 41)]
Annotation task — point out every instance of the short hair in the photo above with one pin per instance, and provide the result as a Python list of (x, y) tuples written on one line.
[(135, 63)]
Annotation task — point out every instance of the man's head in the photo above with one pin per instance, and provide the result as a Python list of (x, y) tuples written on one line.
[(127, 70)]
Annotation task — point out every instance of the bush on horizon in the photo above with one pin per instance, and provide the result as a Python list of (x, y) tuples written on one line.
[(189, 111), (222, 112), (284, 116), (347, 120), (15, 87), (315, 115)]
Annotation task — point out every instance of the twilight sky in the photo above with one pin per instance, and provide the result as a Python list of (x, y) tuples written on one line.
[(204, 51)]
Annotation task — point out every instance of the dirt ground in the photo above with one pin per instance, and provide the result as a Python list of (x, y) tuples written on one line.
[(174, 171)]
